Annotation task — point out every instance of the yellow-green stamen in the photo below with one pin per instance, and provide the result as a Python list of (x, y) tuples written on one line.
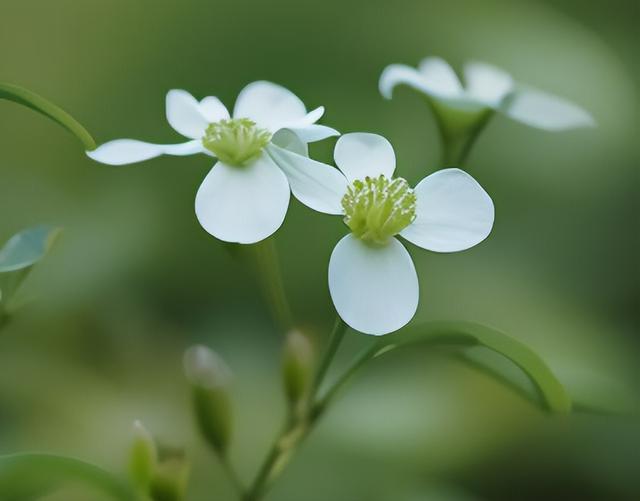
[(236, 141)]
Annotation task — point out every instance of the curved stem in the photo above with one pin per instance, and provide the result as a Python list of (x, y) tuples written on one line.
[(272, 284)]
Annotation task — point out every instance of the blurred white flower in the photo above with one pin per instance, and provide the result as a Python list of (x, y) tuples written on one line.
[(372, 279), (245, 196), (487, 87)]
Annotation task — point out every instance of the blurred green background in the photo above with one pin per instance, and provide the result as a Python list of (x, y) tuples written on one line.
[(134, 280)]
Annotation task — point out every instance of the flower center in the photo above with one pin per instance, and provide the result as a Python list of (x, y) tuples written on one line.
[(378, 208), (236, 141)]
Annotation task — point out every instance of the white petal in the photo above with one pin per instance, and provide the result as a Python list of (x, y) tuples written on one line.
[(289, 140), (271, 106), (374, 289), (360, 154), (399, 74), (319, 186), (213, 110), (546, 111), (440, 77), (314, 132), (129, 151), (453, 212), (184, 114), (243, 204), (487, 83)]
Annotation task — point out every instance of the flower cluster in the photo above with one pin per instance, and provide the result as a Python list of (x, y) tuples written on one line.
[(262, 157)]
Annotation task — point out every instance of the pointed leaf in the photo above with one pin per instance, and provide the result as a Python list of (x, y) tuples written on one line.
[(20, 254), (47, 108), (496, 353)]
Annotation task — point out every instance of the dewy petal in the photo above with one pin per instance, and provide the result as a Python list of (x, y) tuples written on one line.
[(361, 154), (440, 77), (546, 111), (487, 83), (319, 186), (129, 151), (213, 110), (271, 106), (453, 212), (185, 115), (374, 289), (243, 204)]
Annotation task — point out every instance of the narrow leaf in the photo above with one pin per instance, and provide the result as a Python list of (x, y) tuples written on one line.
[(30, 476), (547, 390), (41, 105)]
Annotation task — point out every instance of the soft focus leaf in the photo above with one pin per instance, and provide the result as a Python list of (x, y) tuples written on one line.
[(47, 108), (20, 254), (548, 392), (30, 476)]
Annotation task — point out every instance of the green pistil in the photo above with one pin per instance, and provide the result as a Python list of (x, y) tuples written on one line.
[(236, 141), (378, 208)]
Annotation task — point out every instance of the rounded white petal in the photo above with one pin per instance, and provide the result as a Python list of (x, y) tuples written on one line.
[(361, 154), (374, 289), (289, 140), (314, 132), (184, 114), (271, 106), (439, 77), (487, 83), (401, 74), (213, 110), (129, 151), (546, 111), (243, 204), (319, 186), (453, 212)]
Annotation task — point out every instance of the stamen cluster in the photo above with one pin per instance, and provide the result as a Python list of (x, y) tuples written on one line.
[(235, 141), (378, 208)]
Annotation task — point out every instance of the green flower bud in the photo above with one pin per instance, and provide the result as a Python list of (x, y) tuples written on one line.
[(297, 366), (143, 457), (209, 377), (171, 476)]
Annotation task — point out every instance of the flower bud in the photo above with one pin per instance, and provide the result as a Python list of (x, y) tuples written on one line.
[(209, 377), (170, 478), (143, 457), (297, 366)]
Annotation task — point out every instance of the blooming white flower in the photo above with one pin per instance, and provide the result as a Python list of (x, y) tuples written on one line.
[(372, 279), (245, 196), (487, 87)]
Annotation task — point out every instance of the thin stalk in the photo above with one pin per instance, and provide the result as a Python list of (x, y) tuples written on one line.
[(272, 284), (337, 334), (233, 475)]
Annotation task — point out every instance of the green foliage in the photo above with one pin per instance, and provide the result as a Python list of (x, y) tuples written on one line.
[(18, 257), (27, 477), (548, 391), (48, 109)]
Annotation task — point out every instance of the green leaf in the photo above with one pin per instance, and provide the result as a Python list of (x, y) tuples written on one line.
[(47, 108), (498, 354), (20, 254), (27, 477)]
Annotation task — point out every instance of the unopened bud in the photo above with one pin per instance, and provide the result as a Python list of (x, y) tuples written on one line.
[(210, 377), (169, 482), (297, 366), (143, 457)]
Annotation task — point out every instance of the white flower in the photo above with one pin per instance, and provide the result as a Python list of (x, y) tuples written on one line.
[(245, 196), (487, 87), (372, 279)]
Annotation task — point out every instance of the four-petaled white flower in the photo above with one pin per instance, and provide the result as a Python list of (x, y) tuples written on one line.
[(487, 87), (245, 196), (372, 279)]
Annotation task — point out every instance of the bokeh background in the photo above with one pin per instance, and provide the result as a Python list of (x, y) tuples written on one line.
[(134, 280)]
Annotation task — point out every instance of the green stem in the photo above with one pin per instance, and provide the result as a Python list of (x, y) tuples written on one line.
[(298, 426), (272, 284), (232, 474)]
